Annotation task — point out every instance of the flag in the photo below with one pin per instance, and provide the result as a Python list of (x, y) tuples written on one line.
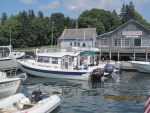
[(147, 105)]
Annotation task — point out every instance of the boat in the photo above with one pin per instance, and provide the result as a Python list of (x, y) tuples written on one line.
[(60, 65), (10, 83), (140, 59), (141, 66), (6, 53), (19, 103)]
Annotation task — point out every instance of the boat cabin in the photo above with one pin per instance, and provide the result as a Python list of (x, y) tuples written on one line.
[(5, 51), (91, 56), (66, 60)]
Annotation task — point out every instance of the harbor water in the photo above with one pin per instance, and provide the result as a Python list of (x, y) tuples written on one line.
[(125, 92)]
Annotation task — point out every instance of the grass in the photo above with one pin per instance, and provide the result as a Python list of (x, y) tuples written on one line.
[(31, 48)]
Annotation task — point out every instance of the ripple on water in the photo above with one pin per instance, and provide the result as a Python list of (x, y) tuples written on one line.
[(89, 97)]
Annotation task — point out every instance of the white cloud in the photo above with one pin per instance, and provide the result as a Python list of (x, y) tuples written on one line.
[(82, 5), (51, 5), (28, 1), (137, 2)]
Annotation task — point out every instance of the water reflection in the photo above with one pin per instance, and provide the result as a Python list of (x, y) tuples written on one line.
[(89, 96)]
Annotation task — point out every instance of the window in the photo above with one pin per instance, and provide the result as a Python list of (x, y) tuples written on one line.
[(122, 42), (74, 43), (70, 44), (79, 44), (137, 42), (40, 59), (45, 59), (103, 41), (117, 42), (54, 60), (125, 42), (145, 42)]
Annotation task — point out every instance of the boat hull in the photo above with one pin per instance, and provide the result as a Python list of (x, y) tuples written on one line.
[(65, 74), (44, 106), (8, 87), (141, 66)]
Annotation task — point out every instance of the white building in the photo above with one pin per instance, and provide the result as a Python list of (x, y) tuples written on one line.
[(77, 37)]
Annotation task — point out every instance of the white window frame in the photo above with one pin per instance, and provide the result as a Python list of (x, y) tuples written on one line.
[(122, 43), (103, 42), (145, 42)]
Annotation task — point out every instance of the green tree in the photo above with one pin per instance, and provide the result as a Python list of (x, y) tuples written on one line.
[(122, 14), (40, 14), (114, 13), (140, 19), (127, 12), (57, 19), (103, 20), (3, 19)]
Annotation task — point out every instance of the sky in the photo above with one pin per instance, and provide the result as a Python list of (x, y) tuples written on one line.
[(71, 8)]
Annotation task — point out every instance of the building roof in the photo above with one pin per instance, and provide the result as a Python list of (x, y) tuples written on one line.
[(80, 33), (125, 24)]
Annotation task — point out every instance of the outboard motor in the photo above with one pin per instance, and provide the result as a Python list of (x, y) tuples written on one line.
[(36, 96)]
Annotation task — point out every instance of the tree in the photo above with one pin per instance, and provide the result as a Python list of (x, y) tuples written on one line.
[(127, 12), (31, 14), (3, 19), (40, 15), (140, 19), (58, 24), (122, 14), (103, 20), (114, 13)]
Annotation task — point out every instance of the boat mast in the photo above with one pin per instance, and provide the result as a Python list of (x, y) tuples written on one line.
[(52, 35), (10, 35), (76, 31), (63, 35)]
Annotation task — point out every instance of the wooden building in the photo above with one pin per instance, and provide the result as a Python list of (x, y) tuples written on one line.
[(131, 39), (76, 37)]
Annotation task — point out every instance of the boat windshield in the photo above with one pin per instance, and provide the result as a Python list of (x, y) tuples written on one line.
[(4, 52)]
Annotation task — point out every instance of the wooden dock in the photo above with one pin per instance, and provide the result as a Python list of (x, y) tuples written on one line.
[(8, 64), (127, 66)]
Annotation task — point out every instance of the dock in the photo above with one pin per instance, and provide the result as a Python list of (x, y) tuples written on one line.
[(8, 64), (127, 66)]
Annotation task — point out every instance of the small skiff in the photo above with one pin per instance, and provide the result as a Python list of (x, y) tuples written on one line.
[(19, 103)]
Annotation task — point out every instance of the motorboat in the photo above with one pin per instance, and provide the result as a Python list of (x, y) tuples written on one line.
[(19, 103), (60, 65), (6, 53), (9, 84), (141, 66)]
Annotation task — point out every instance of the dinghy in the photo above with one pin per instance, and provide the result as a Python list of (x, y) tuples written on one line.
[(19, 103), (9, 84)]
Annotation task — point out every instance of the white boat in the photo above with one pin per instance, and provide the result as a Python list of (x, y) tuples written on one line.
[(141, 66), (56, 65), (19, 103), (9, 85), (6, 53)]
